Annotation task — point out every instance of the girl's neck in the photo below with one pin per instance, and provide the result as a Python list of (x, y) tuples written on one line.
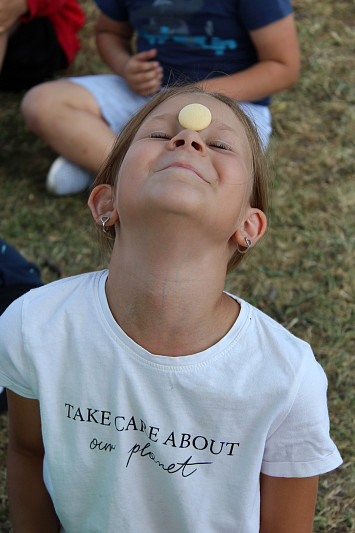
[(169, 301)]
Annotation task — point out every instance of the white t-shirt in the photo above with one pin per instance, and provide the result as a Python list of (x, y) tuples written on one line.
[(143, 443)]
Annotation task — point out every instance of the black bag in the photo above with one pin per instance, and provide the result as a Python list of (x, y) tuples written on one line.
[(33, 55)]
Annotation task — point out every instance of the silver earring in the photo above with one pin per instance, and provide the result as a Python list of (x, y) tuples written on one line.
[(103, 220), (249, 244)]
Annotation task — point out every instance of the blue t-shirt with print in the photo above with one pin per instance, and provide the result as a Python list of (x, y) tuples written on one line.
[(197, 39)]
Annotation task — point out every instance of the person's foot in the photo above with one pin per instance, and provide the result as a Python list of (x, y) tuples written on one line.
[(65, 177)]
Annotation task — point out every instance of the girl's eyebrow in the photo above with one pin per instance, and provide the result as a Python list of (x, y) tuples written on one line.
[(222, 126), (163, 116)]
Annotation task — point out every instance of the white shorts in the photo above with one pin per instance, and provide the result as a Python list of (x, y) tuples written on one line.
[(118, 103)]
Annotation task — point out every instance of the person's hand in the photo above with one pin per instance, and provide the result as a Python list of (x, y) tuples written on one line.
[(10, 11), (143, 75)]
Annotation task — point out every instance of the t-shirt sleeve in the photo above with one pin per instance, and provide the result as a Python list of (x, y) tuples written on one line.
[(15, 373), (301, 446), (258, 13), (114, 9)]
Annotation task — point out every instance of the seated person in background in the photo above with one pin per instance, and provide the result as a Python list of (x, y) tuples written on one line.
[(37, 38), (254, 42)]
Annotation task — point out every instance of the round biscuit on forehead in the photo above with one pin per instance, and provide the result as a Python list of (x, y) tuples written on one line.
[(195, 117)]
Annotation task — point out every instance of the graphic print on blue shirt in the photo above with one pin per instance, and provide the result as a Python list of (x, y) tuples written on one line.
[(165, 23), (183, 28)]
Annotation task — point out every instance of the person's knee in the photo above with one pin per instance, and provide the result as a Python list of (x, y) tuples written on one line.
[(54, 102), (39, 104), (47, 102)]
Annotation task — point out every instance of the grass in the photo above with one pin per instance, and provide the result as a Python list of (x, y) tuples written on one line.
[(303, 271)]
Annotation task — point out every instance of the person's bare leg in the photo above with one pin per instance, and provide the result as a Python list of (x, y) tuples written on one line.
[(68, 118)]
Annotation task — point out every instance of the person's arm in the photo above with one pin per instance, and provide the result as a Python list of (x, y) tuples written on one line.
[(277, 69), (287, 504), (114, 44), (26, 10), (31, 508), (10, 12), (3, 47)]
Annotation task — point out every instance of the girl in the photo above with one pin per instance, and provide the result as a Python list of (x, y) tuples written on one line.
[(153, 400)]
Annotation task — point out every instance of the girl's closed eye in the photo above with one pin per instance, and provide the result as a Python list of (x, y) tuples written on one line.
[(159, 135), (220, 145)]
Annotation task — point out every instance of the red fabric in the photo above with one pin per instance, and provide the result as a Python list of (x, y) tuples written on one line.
[(67, 18)]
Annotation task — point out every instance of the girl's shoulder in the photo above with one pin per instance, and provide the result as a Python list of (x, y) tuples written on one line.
[(63, 296), (279, 346), (65, 287)]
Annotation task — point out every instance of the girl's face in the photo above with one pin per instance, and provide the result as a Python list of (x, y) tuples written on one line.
[(203, 176)]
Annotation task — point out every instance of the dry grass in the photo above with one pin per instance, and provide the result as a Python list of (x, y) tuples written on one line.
[(303, 273)]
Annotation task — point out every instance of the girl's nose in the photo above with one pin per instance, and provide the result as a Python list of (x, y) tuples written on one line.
[(188, 140)]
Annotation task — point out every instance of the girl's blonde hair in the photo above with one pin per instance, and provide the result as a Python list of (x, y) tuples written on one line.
[(259, 196)]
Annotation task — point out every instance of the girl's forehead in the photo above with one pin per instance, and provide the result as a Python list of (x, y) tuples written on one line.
[(172, 106)]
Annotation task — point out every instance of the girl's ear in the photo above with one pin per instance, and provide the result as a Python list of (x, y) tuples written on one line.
[(253, 227), (101, 203)]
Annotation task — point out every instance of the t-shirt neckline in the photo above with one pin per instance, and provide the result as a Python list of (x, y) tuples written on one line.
[(178, 361)]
